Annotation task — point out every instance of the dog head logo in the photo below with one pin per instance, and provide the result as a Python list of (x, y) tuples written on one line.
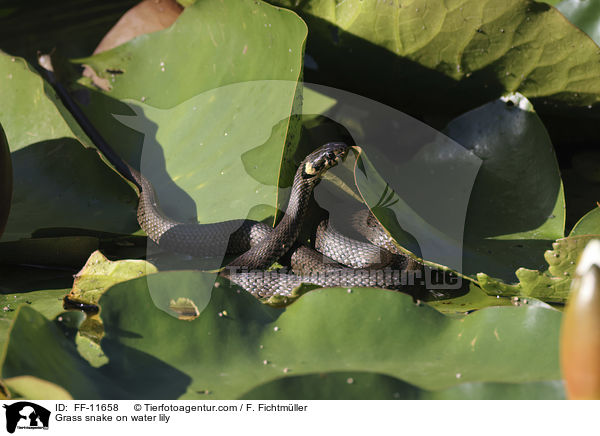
[(26, 415)]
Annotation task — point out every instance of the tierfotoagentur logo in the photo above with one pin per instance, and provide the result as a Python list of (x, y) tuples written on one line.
[(24, 415)]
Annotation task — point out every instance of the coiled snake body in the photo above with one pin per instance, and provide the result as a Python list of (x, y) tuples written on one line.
[(257, 245)]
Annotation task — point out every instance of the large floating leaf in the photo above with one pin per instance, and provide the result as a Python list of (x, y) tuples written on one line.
[(31, 387), (585, 14), (474, 299), (502, 230), (249, 33), (237, 343), (365, 386), (46, 302), (507, 144), (246, 33), (552, 284), (199, 154), (213, 133), (42, 289), (589, 224), (549, 390), (445, 58), (581, 187), (5, 180), (99, 274), (47, 157), (424, 187)]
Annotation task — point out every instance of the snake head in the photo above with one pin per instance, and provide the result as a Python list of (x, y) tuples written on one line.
[(325, 157)]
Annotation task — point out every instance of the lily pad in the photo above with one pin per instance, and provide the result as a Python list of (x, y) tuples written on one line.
[(216, 138), (41, 288), (203, 150), (446, 59), (551, 285), (475, 299), (362, 386), (589, 224), (517, 206), (502, 232), (48, 153), (585, 14), (546, 390), (224, 356), (32, 387), (580, 190), (6, 181), (99, 274), (46, 302), (246, 32), (259, 31), (421, 191), (198, 141)]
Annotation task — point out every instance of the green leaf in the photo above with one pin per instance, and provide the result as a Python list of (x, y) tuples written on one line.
[(507, 146), (47, 156), (551, 285), (545, 390), (212, 160), (589, 224), (5, 181), (335, 386), (585, 14), (99, 274), (581, 187), (367, 386), (46, 302), (32, 387), (40, 288), (221, 130), (247, 32), (519, 169), (95, 277), (506, 240), (223, 351), (474, 299), (444, 59)]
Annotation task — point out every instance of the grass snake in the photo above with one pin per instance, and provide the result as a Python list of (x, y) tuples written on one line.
[(340, 261)]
